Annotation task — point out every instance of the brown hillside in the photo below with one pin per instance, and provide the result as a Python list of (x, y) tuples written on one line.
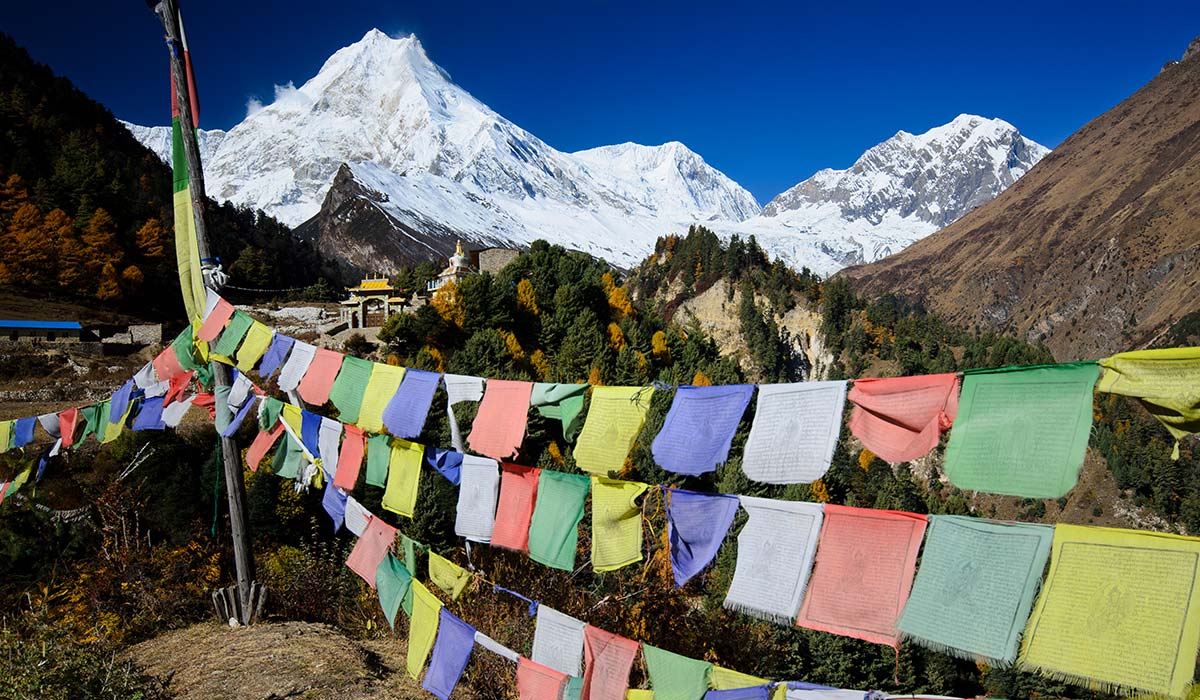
[(1095, 250)]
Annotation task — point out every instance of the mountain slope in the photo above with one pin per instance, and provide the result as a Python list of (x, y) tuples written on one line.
[(427, 156), (1095, 250), (158, 139)]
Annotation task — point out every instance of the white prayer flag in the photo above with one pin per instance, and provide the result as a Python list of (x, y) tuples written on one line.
[(460, 387), (796, 428), (774, 558), (478, 490), (496, 647), (145, 377), (558, 641), (329, 438), (297, 364), (356, 516)]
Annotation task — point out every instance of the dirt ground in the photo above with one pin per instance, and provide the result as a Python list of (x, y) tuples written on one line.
[(271, 661)]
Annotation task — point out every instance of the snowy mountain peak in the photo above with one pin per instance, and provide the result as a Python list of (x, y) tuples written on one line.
[(936, 176)]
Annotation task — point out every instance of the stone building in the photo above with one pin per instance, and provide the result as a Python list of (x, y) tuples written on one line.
[(493, 259), (41, 331)]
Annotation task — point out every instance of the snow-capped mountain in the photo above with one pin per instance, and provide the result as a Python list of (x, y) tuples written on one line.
[(898, 191), (158, 139), (429, 163)]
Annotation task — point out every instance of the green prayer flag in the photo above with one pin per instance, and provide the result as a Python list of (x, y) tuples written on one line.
[(554, 527), (287, 458), (379, 455), (675, 677), (93, 417), (410, 551), (184, 347), (975, 587), (349, 387), (269, 415), (560, 401), (393, 582), (232, 336), (1022, 431), (221, 416)]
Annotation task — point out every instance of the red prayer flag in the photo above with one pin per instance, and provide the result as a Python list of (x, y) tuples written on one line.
[(900, 418), (538, 682), (350, 458), (499, 427), (318, 380), (518, 495), (608, 658), (371, 548)]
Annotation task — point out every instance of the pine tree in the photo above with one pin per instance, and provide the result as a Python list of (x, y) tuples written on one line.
[(26, 257), (109, 289), (72, 257), (132, 279), (526, 299), (100, 243), (12, 195), (448, 303), (150, 239)]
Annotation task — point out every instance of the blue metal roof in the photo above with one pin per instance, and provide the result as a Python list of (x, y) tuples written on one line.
[(43, 325)]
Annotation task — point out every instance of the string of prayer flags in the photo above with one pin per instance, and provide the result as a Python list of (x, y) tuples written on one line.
[(258, 338), (423, 629), (699, 427), (319, 379), (554, 526), (357, 517), (496, 647), (404, 477), (901, 418), (1119, 609), (379, 455), (562, 402), (333, 500), (408, 408), (384, 382), (863, 573), (558, 641), (370, 549), (616, 523), (499, 426), (448, 463), (774, 557), (273, 359), (609, 658), (1022, 431), (696, 526), (518, 496), (538, 682), (296, 367), (451, 652), (231, 337), (460, 387), (727, 679), (475, 515), (1166, 382), (350, 457), (8, 488), (614, 420), (975, 587), (149, 417), (215, 322), (393, 581), (795, 430), (447, 575), (675, 677), (350, 387)]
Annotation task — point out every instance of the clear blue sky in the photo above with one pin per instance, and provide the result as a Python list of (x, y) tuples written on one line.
[(768, 93)]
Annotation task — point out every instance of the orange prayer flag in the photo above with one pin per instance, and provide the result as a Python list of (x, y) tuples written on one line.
[(499, 426), (350, 458), (318, 380), (518, 495), (900, 418), (863, 573)]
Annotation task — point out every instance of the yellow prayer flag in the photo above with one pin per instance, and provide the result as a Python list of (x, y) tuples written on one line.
[(616, 523), (728, 679), (381, 387), (254, 345), (639, 694), (6, 431), (615, 418), (1166, 381), (423, 628), (113, 430), (447, 575), (404, 476), (293, 417), (1119, 608)]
